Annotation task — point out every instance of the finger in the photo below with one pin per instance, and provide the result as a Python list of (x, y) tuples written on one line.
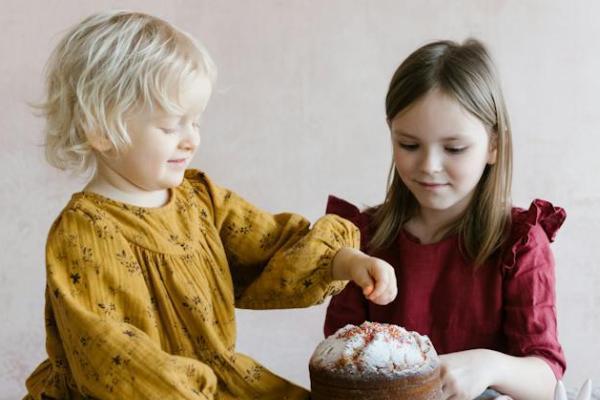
[(449, 389), (389, 293), (448, 394), (376, 295), (364, 281), (443, 370), (379, 276), (392, 285), (380, 299), (367, 284)]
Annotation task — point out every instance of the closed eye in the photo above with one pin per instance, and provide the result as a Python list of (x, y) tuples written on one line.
[(409, 146), (456, 150), (168, 131)]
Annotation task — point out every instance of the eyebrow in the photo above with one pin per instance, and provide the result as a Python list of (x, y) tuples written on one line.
[(163, 117), (452, 138)]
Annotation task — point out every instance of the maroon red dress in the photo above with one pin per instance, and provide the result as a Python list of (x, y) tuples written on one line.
[(507, 305)]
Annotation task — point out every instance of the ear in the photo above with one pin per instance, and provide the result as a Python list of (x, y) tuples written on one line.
[(493, 148), (98, 141)]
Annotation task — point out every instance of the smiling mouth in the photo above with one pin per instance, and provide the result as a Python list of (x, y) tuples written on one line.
[(178, 161), (430, 185)]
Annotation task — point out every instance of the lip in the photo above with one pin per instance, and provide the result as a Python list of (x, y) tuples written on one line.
[(432, 185), (178, 161)]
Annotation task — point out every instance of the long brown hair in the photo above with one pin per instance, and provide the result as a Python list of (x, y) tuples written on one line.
[(466, 73)]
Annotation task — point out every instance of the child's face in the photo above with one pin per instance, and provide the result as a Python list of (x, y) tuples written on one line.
[(440, 152), (162, 144)]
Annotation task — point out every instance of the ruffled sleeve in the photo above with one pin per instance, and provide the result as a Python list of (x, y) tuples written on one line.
[(350, 306), (529, 285)]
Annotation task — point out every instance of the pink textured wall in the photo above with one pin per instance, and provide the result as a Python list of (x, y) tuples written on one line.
[(300, 98)]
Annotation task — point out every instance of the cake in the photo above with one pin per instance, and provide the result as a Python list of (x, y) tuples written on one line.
[(375, 361)]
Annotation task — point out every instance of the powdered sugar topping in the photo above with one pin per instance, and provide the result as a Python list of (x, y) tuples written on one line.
[(374, 349)]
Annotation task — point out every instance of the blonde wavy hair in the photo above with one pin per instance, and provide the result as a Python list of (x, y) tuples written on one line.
[(466, 73), (108, 65)]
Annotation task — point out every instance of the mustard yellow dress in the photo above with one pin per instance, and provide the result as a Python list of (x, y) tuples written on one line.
[(140, 301)]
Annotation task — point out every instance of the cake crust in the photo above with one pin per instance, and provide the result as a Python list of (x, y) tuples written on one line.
[(328, 385)]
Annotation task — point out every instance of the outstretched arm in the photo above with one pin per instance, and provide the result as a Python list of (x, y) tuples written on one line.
[(281, 261)]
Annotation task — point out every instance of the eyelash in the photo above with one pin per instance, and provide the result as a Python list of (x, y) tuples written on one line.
[(409, 147), (168, 131), (451, 150), (456, 150)]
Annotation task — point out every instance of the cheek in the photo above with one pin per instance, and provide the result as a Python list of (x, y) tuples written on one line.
[(147, 160), (400, 160), (468, 169), (158, 149)]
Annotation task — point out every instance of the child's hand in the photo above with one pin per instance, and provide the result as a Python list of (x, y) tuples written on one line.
[(376, 277), (464, 375)]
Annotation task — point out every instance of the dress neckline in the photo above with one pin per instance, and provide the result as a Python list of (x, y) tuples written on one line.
[(415, 240), (128, 206)]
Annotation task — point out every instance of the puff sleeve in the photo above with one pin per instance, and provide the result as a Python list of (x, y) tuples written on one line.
[(530, 324), (276, 260)]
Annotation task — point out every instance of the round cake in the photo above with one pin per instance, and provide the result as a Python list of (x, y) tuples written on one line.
[(375, 361)]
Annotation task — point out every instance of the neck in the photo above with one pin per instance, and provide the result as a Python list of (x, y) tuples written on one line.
[(111, 184), (429, 225), (426, 227)]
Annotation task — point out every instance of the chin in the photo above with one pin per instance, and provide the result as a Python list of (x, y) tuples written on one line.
[(439, 204), (174, 179), (177, 182), (170, 183)]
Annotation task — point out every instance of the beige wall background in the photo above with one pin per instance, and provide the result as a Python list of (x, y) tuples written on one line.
[(299, 114)]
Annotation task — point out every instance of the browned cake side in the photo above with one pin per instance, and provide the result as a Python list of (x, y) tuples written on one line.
[(326, 385)]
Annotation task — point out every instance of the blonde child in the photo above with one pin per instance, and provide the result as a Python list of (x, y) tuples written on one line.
[(474, 274), (146, 264)]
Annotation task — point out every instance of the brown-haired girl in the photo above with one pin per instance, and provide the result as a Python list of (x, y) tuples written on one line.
[(474, 274)]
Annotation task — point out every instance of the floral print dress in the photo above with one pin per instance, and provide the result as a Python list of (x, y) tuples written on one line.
[(140, 301)]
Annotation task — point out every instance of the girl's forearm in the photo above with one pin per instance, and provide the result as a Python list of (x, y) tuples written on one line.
[(522, 377)]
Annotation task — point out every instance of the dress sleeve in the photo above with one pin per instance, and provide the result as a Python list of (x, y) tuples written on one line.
[(104, 315), (350, 306), (529, 285), (277, 260)]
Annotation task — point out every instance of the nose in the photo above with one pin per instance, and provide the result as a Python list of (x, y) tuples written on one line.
[(190, 139), (431, 161)]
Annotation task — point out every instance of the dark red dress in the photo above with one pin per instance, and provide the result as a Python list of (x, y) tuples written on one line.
[(507, 305)]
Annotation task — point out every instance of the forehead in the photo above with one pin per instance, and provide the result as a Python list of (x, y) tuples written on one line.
[(188, 97), (193, 92), (437, 116)]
